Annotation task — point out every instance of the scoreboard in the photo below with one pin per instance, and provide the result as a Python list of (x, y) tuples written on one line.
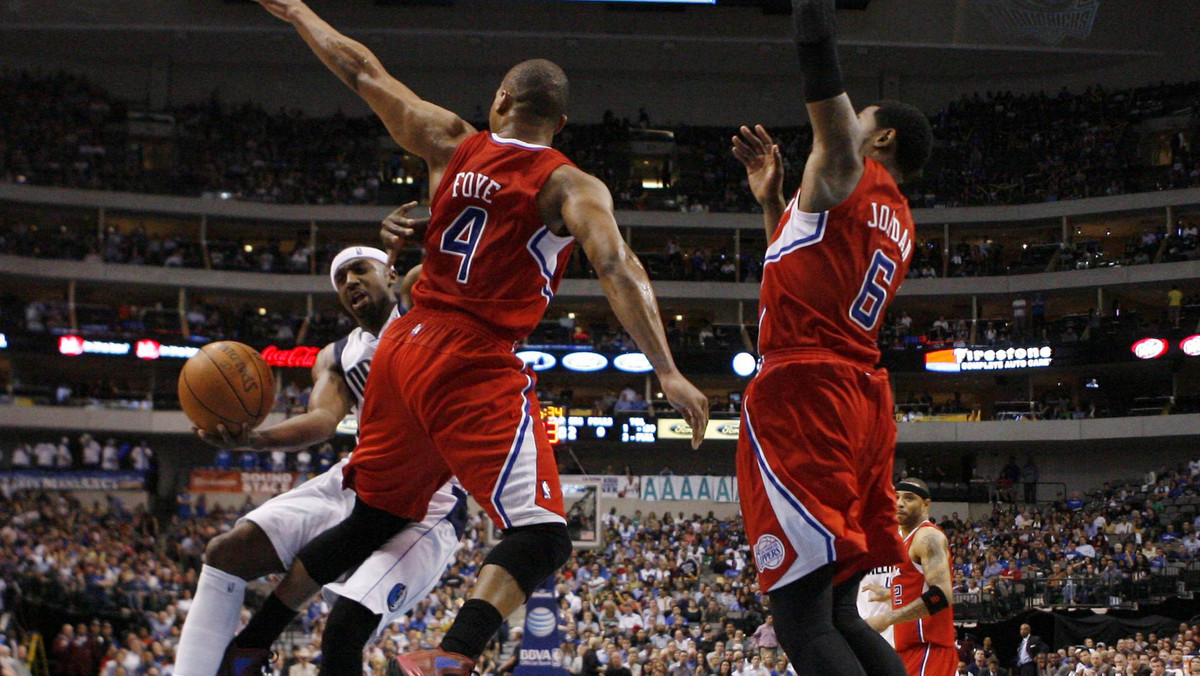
[(562, 425)]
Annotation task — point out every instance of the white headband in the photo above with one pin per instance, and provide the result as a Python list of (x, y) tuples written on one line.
[(353, 253)]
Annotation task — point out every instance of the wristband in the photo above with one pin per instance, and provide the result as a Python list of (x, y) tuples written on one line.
[(935, 600)]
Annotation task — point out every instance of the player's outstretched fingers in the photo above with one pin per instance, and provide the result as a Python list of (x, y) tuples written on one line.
[(762, 134), (751, 139), (397, 227), (699, 427)]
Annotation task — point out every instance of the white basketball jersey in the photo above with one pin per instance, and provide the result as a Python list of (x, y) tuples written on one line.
[(867, 608), (353, 355)]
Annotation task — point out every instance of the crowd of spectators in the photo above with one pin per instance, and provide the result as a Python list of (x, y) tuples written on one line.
[(1127, 541), (664, 594), (993, 148), (85, 452), (1170, 653)]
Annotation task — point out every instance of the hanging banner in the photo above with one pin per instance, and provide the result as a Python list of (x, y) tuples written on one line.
[(725, 429), (69, 480), (710, 488), (541, 646), (233, 481)]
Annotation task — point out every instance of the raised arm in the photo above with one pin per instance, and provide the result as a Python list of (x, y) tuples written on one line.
[(758, 152), (328, 403), (835, 165), (584, 205), (420, 127), (932, 552)]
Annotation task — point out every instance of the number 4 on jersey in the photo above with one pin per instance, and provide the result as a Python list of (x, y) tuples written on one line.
[(461, 238), (872, 297)]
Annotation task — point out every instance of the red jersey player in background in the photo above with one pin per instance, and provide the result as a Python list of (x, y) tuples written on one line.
[(817, 443), (921, 612), (447, 395)]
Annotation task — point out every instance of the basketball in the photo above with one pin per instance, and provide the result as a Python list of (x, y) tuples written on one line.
[(226, 383)]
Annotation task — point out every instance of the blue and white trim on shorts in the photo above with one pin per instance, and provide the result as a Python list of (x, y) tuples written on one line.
[(812, 543), (515, 494)]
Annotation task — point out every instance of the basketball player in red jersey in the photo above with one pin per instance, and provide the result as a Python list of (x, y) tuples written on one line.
[(447, 395), (816, 449), (920, 595)]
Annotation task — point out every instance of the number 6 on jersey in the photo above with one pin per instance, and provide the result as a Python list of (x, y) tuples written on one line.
[(461, 238), (873, 295)]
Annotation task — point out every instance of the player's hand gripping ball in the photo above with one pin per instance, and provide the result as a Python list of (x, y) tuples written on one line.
[(226, 383)]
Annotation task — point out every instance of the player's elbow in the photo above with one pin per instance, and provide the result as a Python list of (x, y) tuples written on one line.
[(322, 424), (615, 266)]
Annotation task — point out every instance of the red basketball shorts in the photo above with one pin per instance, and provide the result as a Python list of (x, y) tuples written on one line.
[(447, 397), (930, 660), (814, 467)]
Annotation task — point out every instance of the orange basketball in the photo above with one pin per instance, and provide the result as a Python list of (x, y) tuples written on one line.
[(226, 383)]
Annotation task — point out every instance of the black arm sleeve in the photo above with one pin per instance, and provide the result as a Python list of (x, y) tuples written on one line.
[(816, 41)]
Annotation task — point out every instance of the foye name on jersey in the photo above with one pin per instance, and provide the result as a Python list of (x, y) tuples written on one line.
[(884, 219), (472, 185)]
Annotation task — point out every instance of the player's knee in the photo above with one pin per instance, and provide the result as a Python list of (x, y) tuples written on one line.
[(803, 609), (244, 551), (224, 553), (349, 543), (531, 554)]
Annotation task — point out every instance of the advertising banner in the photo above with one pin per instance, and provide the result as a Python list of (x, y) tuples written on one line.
[(234, 481), (717, 430), (48, 480), (713, 488), (541, 646)]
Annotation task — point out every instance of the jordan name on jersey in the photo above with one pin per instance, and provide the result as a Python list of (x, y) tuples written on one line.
[(884, 219)]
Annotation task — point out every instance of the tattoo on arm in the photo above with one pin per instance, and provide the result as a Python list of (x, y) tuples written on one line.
[(935, 562)]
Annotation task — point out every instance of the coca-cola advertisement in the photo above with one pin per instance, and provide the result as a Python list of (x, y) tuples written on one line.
[(297, 357)]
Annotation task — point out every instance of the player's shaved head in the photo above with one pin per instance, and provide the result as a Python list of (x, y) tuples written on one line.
[(539, 88)]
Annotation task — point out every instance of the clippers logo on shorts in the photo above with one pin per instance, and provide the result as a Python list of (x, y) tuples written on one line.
[(396, 596), (768, 552)]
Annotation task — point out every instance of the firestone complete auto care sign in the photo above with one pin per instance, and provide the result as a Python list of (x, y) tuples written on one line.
[(959, 359)]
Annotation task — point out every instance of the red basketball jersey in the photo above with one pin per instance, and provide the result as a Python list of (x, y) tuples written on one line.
[(907, 587), (487, 252), (828, 277)]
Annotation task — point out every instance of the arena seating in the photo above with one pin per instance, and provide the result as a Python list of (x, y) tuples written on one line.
[(630, 600)]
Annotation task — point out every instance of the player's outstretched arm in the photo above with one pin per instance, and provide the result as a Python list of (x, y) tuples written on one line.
[(586, 209), (932, 552), (420, 127), (329, 402), (758, 152), (836, 164)]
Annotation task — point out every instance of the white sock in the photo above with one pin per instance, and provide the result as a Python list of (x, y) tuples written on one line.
[(210, 624)]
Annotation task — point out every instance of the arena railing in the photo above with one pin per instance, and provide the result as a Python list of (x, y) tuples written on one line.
[(1004, 598), (952, 433), (1161, 205)]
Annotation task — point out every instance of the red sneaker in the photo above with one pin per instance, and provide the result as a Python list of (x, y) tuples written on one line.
[(435, 663)]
